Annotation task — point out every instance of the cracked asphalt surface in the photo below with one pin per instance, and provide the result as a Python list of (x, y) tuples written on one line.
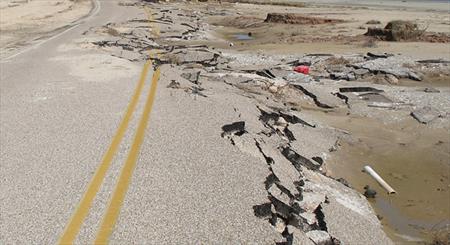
[(188, 186), (129, 128)]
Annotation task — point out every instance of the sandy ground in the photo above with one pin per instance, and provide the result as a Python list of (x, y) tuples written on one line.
[(23, 21), (346, 37)]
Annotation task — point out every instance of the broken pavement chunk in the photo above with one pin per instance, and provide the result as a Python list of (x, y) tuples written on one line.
[(277, 193), (279, 224), (391, 79), (298, 160), (359, 90), (236, 128), (174, 84), (320, 237), (298, 78), (431, 90), (425, 114), (361, 72), (390, 65), (379, 55), (291, 118), (273, 89), (191, 76), (266, 73), (321, 99), (310, 219), (298, 236), (348, 76), (311, 201), (263, 210)]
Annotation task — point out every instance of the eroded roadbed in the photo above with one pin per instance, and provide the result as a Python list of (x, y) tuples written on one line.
[(271, 117)]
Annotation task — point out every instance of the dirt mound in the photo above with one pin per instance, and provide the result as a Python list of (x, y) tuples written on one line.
[(400, 30), (290, 18)]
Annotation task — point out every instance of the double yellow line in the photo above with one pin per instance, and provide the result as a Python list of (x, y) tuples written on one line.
[(112, 213)]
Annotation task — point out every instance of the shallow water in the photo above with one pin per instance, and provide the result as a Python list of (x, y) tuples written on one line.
[(412, 158), (243, 37)]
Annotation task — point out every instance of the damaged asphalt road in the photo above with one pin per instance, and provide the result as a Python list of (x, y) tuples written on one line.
[(232, 153)]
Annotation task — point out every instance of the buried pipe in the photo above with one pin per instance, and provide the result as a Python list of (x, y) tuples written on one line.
[(380, 181)]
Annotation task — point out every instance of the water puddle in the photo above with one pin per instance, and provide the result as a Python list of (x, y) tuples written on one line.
[(243, 37), (412, 158)]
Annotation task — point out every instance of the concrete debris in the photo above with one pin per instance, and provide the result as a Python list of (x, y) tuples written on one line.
[(298, 78), (298, 160), (273, 89), (320, 237), (431, 90), (360, 72), (191, 76), (294, 119), (391, 79), (378, 55), (310, 220), (348, 76), (277, 193), (281, 122), (323, 100), (434, 61), (425, 114), (359, 90), (351, 227), (266, 73), (390, 65), (174, 84), (279, 224), (311, 201), (298, 236)]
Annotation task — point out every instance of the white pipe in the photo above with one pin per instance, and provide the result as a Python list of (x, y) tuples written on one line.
[(380, 181)]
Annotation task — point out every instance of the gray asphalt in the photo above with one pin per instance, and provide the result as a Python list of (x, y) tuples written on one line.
[(56, 122)]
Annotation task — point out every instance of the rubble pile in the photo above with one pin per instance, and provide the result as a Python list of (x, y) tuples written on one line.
[(400, 30)]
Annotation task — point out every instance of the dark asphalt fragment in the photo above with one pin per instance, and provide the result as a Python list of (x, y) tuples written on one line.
[(263, 210), (236, 128), (298, 160), (173, 84), (359, 89)]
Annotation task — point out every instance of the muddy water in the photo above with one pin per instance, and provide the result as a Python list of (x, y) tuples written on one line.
[(412, 158)]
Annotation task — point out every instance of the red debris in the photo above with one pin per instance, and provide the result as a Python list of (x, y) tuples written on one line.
[(302, 69)]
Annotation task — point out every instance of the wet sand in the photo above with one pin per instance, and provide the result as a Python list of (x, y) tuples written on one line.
[(410, 157)]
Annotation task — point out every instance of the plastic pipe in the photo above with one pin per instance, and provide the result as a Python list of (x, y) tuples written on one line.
[(380, 180)]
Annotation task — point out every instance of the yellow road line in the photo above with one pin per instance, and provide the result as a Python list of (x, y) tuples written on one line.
[(113, 211), (115, 205), (85, 204), (73, 227)]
